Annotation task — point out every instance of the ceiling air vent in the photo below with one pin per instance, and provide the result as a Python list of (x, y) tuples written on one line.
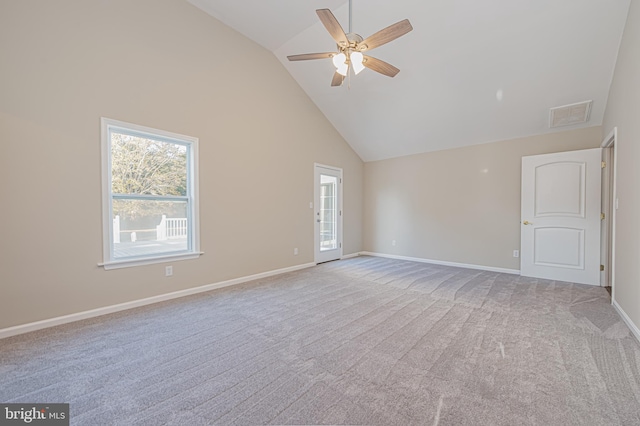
[(568, 115)]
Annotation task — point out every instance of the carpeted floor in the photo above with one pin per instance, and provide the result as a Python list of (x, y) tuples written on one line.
[(359, 341)]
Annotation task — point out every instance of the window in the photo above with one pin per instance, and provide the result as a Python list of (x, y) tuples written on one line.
[(149, 195)]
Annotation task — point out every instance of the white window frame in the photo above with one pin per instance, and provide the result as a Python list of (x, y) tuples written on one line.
[(107, 125)]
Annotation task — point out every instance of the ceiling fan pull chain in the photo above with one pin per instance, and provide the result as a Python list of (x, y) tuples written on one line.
[(350, 15)]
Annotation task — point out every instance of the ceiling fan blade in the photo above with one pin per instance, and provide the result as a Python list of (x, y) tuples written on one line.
[(308, 56), (333, 26), (386, 35), (337, 80), (380, 66)]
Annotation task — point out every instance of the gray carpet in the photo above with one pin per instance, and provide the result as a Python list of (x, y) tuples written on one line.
[(359, 341)]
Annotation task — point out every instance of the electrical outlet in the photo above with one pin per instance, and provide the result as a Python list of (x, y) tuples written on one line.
[(516, 253), (295, 251), (393, 242), (168, 271)]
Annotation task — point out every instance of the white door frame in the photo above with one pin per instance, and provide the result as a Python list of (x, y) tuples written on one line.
[(316, 194), (610, 206)]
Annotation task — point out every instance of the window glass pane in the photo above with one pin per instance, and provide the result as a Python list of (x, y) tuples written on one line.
[(328, 213), (141, 165), (147, 227), (150, 190)]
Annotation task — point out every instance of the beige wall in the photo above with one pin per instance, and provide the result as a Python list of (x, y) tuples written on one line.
[(460, 205), (167, 65), (623, 111)]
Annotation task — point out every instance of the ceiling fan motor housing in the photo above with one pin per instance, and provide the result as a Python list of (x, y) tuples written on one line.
[(354, 41)]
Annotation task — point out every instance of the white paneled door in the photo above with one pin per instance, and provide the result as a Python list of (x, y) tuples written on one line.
[(560, 224), (328, 213)]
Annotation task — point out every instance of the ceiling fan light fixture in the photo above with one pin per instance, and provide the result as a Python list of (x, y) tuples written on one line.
[(340, 62), (343, 70), (339, 59), (356, 62)]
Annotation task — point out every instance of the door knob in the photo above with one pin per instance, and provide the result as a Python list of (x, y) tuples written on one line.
[(526, 222)]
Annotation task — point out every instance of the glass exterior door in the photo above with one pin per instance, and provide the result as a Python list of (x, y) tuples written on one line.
[(328, 214)]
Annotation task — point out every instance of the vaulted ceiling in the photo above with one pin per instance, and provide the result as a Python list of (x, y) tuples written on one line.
[(471, 71)]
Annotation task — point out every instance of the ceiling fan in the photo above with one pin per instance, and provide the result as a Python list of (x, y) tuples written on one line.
[(351, 45)]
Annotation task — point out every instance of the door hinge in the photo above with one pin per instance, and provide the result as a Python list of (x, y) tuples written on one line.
[(601, 216), (602, 267), (340, 245), (340, 212), (603, 164)]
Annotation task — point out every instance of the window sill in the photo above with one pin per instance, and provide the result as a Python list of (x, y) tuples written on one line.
[(118, 264)]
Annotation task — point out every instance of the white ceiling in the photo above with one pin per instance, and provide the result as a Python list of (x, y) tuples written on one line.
[(471, 71)]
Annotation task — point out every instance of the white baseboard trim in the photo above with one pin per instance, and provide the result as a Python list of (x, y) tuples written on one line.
[(634, 328), (52, 322), (442, 262)]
